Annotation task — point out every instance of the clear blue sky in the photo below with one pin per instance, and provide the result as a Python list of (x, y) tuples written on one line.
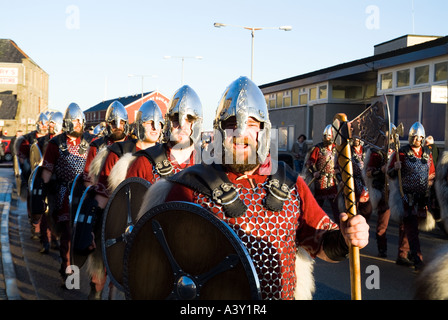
[(90, 47)]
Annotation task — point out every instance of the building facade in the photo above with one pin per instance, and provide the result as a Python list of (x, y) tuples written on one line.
[(23, 89), (97, 113), (406, 70)]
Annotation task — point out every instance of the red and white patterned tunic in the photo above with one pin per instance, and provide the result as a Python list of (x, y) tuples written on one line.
[(271, 238)]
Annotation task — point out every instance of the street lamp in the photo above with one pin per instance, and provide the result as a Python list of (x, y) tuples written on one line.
[(183, 60), (142, 76), (252, 29)]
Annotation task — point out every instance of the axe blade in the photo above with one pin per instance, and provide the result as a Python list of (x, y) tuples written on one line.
[(372, 125)]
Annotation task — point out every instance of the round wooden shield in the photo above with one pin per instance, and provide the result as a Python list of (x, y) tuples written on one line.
[(89, 193), (36, 203), (120, 215), (76, 191), (35, 156), (181, 251)]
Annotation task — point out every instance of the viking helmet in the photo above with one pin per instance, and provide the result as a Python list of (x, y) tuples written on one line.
[(73, 112), (416, 130), (185, 102), (243, 99), (328, 132), (57, 118), (41, 122), (115, 113), (149, 111)]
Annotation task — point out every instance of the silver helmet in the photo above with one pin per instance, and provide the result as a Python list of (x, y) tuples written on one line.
[(185, 102), (57, 118), (73, 112), (328, 132), (149, 111), (416, 130), (42, 123), (115, 113), (243, 99)]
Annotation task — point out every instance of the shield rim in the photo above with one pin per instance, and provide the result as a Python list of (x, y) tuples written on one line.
[(78, 177), (35, 147), (86, 193), (104, 221), (230, 234), (17, 173)]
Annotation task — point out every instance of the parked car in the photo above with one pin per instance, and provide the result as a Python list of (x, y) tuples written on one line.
[(288, 158)]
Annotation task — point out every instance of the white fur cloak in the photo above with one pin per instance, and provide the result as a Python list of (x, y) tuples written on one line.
[(441, 187)]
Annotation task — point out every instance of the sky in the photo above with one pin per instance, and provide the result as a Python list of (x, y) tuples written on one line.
[(89, 48)]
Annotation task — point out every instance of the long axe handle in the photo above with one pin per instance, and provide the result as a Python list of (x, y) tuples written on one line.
[(344, 161), (399, 175)]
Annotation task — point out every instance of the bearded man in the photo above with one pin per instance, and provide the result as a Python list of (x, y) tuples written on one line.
[(245, 199)]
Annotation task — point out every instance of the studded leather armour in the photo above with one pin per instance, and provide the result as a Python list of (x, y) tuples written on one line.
[(269, 238)]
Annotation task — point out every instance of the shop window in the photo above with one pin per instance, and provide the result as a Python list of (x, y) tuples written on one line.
[(313, 94), (322, 92), (403, 78), (386, 81), (440, 71), (406, 111), (421, 75)]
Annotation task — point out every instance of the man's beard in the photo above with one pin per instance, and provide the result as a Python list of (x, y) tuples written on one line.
[(76, 134), (236, 166), (117, 135), (327, 142)]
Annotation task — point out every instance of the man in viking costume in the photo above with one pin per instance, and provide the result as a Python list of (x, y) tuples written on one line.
[(117, 129), (148, 127), (321, 172), (64, 158), (54, 128), (375, 172), (288, 222), (182, 143), (411, 210)]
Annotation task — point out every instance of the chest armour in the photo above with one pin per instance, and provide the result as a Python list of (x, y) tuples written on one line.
[(325, 165), (69, 164), (268, 236), (414, 175)]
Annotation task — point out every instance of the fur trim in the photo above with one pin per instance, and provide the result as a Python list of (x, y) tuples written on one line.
[(95, 265), (427, 224), (119, 171), (305, 286), (155, 195), (432, 282), (395, 201), (441, 187), (97, 165)]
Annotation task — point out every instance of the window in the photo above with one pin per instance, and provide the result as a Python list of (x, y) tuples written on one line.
[(282, 138), (313, 94), (279, 99), (403, 78), (287, 98), (386, 81), (272, 101), (406, 111), (295, 97), (421, 75), (322, 92), (346, 92), (303, 99), (440, 71)]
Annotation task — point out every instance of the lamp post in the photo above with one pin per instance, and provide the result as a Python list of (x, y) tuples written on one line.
[(183, 61), (252, 29), (141, 76)]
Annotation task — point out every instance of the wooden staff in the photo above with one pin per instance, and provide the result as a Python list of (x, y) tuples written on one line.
[(344, 161)]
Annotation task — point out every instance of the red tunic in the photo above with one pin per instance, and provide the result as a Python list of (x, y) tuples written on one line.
[(270, 237), (142, 167)]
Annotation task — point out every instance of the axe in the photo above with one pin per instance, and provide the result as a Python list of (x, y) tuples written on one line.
[(372, 127), (396, 132)]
